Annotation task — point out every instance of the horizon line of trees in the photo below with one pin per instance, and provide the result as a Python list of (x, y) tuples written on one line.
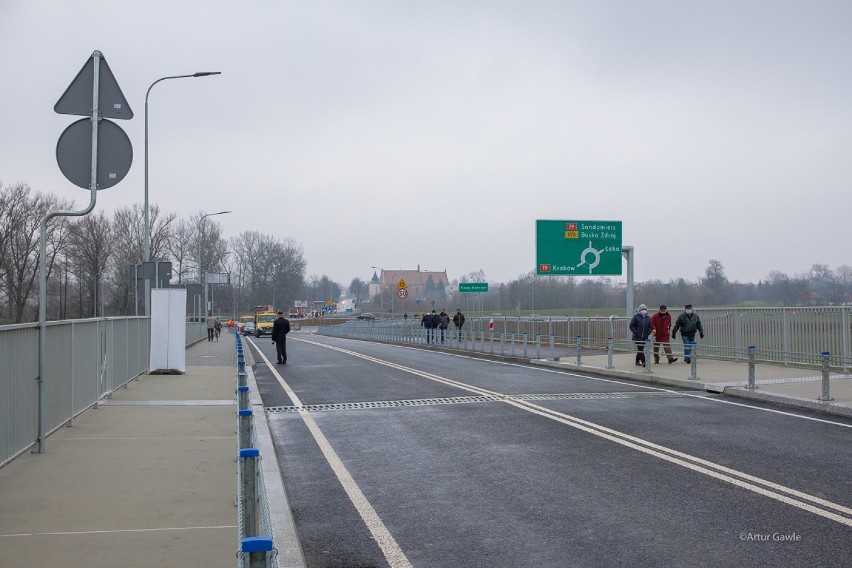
[(89, 262)]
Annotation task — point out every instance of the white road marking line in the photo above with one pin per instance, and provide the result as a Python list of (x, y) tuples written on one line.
[(745, 481), (393, 553), (164, 529), (618, 382)]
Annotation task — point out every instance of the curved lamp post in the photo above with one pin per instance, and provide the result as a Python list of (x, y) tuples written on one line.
[(147, 244)]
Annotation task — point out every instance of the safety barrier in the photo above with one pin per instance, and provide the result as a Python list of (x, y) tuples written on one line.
[(85, 361), (255, 543), (568, 336)]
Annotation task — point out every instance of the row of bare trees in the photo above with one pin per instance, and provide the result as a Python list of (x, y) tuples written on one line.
[(821, 285), (89, 259)]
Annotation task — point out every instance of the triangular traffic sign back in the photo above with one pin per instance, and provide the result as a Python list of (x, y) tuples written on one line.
[(77, 98)]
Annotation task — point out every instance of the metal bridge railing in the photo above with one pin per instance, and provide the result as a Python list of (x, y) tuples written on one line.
[(785, 336), (85, 361)]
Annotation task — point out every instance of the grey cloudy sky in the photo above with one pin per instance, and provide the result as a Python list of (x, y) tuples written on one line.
[(399, 134)]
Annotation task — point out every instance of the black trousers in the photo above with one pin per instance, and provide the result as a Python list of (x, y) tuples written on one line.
[(281, 350)]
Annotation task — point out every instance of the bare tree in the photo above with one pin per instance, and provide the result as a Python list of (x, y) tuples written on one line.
[(90, 251), (20, 224), (180, 247)]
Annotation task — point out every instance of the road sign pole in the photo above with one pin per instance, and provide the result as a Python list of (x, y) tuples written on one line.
[(627, 252), (42, 277)]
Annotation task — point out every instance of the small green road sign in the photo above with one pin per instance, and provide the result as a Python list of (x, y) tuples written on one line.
[(473, 286), (576, 248)]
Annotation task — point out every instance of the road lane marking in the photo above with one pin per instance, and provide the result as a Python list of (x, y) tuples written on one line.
[(740, 479), (617, 382), (388, 545)]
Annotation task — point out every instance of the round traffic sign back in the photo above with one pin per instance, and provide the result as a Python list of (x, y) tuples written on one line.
[(74, 153)]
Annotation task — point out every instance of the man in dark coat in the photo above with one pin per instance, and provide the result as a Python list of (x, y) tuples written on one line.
[(458, 321), (443, 323), (280, 329), (688, 323), (640, 326)]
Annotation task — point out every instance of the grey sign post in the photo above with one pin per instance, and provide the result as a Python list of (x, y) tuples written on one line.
[(95, 94)]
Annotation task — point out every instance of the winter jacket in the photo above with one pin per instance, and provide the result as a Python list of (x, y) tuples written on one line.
[(458, 319), (688, 325), (443, 320), (640, 325), (280, 329), (661, 324)]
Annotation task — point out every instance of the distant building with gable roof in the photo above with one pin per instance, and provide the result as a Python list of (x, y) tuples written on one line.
[(425, 285)]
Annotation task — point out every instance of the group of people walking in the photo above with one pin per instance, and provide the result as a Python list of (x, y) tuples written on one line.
[(659, 327), (432, 321)]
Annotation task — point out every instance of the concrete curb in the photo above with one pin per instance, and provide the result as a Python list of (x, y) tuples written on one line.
[(284, 533), (826, 407)]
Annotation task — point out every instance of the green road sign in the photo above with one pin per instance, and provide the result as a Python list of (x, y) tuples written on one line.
[(473, 286), (576, 248)]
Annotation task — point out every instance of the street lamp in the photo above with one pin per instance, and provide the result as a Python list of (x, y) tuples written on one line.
[(201, 264), (147, 244)]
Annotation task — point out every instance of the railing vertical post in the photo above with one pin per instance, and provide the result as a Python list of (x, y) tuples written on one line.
[(826, 392), (503, 341), (751, 374), (538, 346), (513, 343), (244, 427), (648, 357), (526, 338), (491, 341), (248, 463), (552, 356), (609, 344), (693, 367), (243, 397), (579, 350), (258, 551)]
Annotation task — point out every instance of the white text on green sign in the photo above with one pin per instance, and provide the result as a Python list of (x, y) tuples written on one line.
[(473, 286), (577, 248)]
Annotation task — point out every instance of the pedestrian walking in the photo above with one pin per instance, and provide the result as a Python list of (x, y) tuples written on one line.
[(458, 321), (217, 328), (640, 326), (280, 329), (661, 325), (688, 323), (211, 326), (443, 323)]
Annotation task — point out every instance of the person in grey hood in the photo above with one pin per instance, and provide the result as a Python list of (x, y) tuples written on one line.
[(688, 324)]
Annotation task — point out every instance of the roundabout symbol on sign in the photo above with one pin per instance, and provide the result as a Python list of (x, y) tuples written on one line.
[(402, 293)]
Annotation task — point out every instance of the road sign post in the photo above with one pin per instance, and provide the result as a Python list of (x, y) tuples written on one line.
[(95, 94), (575, 248)]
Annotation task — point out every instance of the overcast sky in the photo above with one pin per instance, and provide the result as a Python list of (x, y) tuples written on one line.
[(398, 134)]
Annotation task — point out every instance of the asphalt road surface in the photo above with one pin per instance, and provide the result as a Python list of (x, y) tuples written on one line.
[(396, 456)]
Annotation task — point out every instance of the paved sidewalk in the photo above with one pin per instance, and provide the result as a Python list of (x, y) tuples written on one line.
[(790, 386), (146, 479)]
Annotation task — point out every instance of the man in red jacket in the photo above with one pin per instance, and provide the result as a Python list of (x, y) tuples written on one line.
[(661, 325)]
